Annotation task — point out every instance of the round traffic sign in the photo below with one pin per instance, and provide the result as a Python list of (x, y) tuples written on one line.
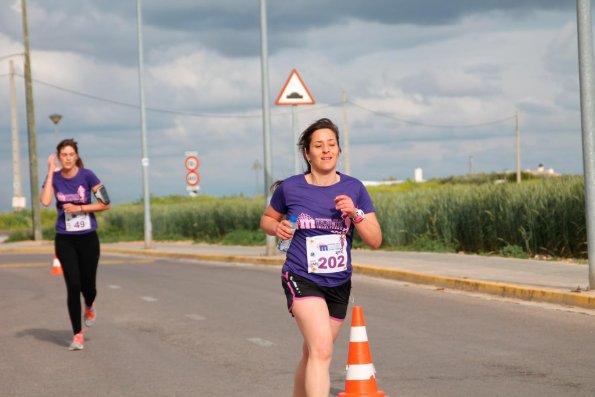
[(192, 178), (191, 163)]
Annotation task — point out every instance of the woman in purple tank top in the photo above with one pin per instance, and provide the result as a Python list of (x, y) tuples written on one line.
[(76, 243)]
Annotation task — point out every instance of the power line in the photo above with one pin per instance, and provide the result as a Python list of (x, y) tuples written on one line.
[(158, 110), (244, 116), (390, 116), (131, 105)]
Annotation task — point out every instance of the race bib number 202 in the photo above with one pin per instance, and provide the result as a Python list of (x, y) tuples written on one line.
[(326, 253)]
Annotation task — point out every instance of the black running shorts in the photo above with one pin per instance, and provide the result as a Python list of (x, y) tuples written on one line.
[(336, 298)]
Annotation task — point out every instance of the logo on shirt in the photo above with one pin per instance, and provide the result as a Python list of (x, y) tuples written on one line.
[(80, 196), (335, 225)]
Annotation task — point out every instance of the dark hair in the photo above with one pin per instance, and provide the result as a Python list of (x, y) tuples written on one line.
[(72, 143), (306, 139)]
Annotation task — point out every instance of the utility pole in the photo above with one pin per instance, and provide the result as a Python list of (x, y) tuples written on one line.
[(470, 165), (266, 117), (587, 87), (35, 204), (18, 200), (346, 155), (518, 147)]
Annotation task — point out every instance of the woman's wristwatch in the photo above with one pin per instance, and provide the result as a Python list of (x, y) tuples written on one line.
[(359, 216)]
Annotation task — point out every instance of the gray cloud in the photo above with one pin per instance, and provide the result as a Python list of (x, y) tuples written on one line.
[(108, 28), (431, 63)]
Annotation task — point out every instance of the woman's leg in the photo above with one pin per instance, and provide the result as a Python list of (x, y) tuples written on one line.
[(89, 258), (312, 378), (67, 254), (299, 384), (299, 380)]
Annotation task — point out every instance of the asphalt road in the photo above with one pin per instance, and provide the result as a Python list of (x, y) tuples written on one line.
[(184, 328)]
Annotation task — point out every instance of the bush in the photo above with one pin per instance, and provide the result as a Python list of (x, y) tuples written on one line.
[(541, 216), (513, 251)]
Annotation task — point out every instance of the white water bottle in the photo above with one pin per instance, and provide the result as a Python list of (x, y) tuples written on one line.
[(283, 245)]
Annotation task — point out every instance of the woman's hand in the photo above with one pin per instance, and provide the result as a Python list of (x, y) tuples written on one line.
[(71, 208), (52, 167), (344, 204), (48, 191), (284, 230), (273, 224), (369, 230)]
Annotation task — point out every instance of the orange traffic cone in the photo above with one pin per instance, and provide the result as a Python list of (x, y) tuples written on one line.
[(56, 267), (361, 374)]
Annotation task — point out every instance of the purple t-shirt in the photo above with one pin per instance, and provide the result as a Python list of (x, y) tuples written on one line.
[(314, 207), (76, 190)]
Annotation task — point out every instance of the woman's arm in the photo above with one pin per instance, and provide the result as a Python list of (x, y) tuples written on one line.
[(48, 188), (369, 230), (95, 207), (272, 224)]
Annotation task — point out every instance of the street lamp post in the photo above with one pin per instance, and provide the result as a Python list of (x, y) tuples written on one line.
[(266, 117), (144, 155), (587, 87), (55, 119)]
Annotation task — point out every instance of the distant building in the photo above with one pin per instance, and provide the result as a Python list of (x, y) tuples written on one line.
[(418, 175), (542, 171), (381, 183)]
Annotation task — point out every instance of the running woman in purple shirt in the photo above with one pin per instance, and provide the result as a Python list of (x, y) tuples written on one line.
[(316, 275), (76, 244)]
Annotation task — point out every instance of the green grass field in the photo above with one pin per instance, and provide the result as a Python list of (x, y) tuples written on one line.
[(483, 214)]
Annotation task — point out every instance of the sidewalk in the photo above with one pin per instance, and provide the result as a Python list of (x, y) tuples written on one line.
[(543, 281)]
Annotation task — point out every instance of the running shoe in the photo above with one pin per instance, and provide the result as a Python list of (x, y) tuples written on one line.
[(90, 315), (77, 342)]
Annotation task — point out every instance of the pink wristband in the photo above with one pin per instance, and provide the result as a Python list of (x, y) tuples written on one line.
[(359, 216)]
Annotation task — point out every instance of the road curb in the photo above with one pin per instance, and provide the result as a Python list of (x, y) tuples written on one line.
[(27, 249), (486, 287), (522, 292)]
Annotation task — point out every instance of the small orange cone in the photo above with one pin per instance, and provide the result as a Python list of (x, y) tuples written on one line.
[(56, 267), (361, 374)]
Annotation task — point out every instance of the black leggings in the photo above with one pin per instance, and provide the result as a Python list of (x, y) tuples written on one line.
[(79, 256)]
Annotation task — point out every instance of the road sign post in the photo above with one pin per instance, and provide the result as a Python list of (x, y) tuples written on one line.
[(191, 162), (295, 93)]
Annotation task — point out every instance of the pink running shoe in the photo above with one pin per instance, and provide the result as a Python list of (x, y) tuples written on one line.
[(90, 315), (77, 342)]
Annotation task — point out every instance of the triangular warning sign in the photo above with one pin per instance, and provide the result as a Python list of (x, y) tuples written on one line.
[(294, 92)]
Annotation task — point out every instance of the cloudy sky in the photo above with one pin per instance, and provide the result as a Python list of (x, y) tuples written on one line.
[(430, 84)]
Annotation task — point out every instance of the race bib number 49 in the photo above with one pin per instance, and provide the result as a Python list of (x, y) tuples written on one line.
[(327, 253), (77, 222)]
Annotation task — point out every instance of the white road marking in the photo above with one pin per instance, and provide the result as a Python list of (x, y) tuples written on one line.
[(113, 286), (261, 342), (196, 317), (149, 299)]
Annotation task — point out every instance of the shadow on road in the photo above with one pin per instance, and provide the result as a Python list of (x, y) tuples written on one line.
[(58, 337)]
